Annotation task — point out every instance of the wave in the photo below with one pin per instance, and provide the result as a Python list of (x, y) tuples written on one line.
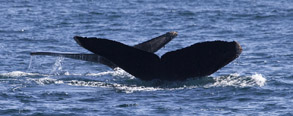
[(121, 81), (117, 72), (14, 74), (239, 81)]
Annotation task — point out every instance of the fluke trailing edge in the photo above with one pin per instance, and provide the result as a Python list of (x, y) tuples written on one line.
[(200, 59)]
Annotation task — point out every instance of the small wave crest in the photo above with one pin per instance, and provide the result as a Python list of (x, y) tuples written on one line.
[(117, 86), (19, 74), (121, 81), (47, 81), (130, 86), (239, 81), (117, 72)]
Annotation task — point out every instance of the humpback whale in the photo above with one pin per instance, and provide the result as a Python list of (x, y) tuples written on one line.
[(197, 60)]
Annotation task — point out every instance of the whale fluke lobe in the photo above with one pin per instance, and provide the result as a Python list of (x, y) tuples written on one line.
[(157, 43), (139, 63), (200, 59)]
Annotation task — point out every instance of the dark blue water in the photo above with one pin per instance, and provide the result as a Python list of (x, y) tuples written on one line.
[(259, 82)]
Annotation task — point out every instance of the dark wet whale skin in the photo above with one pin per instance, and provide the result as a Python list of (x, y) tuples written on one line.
[(197, 60)]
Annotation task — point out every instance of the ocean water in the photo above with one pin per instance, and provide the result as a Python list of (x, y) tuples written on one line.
[(259, 82)]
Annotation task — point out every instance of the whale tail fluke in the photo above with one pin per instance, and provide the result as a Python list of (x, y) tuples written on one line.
[(200, 59), (197, 60)]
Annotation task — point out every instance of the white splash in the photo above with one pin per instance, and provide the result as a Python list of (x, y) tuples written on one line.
[(238, 81), (118, 87), (259, 79), (46, 81), (131, 89), (117, 72), (57, 66), (19, 74), (88, 84), (133, 85)]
